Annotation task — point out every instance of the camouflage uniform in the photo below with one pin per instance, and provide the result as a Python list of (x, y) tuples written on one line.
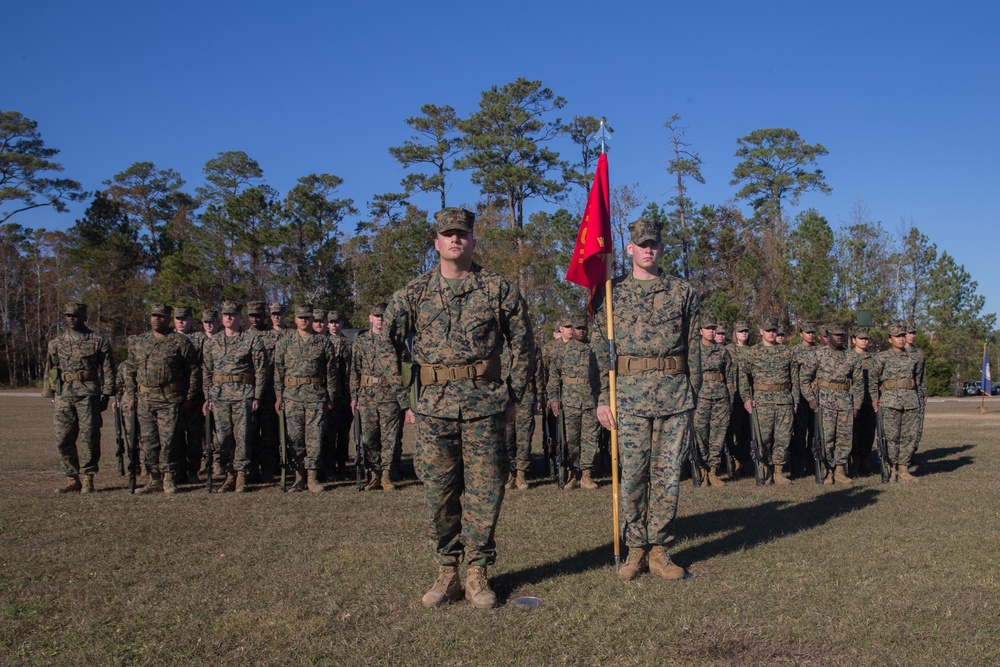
[(839, 379), (520, 434), (86, 369), (548, 355), (233, 367), (712, 414), (864, 423), (374, 392), (770, 375), (162, 375), (898, 375), (338, 432), (460, 329), (199, 339), (655, 329), (303, 368), (921, 385), (803, 420), (192, 423), (739, 419), (575, 381), (264, 439)]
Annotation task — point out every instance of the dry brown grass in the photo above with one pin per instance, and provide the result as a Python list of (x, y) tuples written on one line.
[(804, 575)]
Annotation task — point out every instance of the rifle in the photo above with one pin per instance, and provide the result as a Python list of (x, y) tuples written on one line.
[(818, 448), (207, 444), (359, 457), (561, 447), (133, 446), (548, 447), (119, 437), (694, 455), (756, 453), (283, 445), (883, 450)]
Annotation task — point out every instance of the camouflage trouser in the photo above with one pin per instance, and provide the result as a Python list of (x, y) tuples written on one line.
[(582, 432), (264, 452), (739, 432), (775, 423), (864, 432), (304, 426), (902, 428), (920, 426), (651, 451), (519, 435), (800, 451), (380, 433), (463, 465), (159, 426), (234, 423), (711, 421), (78, 420), (838, 435), (190, 437), (338, 435)]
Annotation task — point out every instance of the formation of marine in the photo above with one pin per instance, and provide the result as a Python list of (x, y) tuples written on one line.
[(247, 398)]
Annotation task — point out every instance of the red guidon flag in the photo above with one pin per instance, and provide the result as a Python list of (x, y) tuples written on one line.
[(593, 241)]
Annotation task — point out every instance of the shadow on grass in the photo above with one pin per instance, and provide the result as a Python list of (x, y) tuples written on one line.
[(937, 461), (749, 527), (578, 563)]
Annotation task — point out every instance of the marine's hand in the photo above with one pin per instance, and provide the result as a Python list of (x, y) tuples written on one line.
[(606, 417), (749, 406), (812, 405), (875, 404), (254, 404), (554, 406), (354, 407), (409, 417)]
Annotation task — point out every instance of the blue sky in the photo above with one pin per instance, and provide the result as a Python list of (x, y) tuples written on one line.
[(904, 95)]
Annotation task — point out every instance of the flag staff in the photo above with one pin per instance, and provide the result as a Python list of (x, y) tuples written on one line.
[(612, 385)]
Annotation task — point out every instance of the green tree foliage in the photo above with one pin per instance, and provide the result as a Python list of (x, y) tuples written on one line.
[(722, 264), (866, 268), (585, 132), (917, 256), (505, 145), (435, 145), (25, 162), (810, 254)]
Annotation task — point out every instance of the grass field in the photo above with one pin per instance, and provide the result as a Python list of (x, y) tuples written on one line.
[(805, 575)]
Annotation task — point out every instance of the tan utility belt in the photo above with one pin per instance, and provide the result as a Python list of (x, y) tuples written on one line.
[(905, 384), (568, 381), (172, 388), (298, 382), (79, 376), (374, 380), (781, 386), (839, 386), (245, 378), (717, 377), (672, 365), (488, 369)]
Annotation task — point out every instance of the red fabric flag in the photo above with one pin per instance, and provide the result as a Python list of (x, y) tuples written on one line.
[(593, 241)]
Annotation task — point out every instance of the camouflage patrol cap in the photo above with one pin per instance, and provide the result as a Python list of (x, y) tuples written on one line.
[(644, 229), (232, 308), (807, 327), (741, 326), (276, 308), (378, 310), (319, 314), (781, 331), (209, 315), (709, 323), (768, 324), (720, 328), (898, 329), (578, 322), (75, 308), (334, 316), (911, 328), (183, 311), (256, 308), (304, 310), (836, 329), (861, 332), (160, 309), (449, 219)]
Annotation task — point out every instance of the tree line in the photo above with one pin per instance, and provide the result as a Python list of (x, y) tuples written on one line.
[(146, 237)]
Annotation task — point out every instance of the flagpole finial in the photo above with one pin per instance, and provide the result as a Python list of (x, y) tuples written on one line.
[(603, 150)]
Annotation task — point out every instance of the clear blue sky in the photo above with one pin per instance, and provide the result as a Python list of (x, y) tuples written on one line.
[(904, 95)]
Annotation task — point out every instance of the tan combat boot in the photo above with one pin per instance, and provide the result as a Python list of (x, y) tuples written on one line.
[(387, 482), (509, 484), (374, 481), (241, 482), (88, 484), (520, 481), (661, 565), (229, 485), (572, 483), (840, 476), (155, 485), (447, 588), (587, 481), (636, 564), (300, 480), (713, 479), (828, 477), (903, 474), (780, 477), (477, 588), (312, 482), (169, 484), (72, 485), (893, 477)]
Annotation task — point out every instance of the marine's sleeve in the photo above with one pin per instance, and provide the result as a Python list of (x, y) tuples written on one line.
[(390, 346), (809, 368), (541, 373), (51, 361), (207, 367), (333, 361), (107, 368), (555, 374), (259, 357), (692, 312), (131, 369), (743, 379), (796, 384), (515, 324), (921, 378), (279, 368), (599, 343), (193, 368), (355, 370), (731, 379)]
